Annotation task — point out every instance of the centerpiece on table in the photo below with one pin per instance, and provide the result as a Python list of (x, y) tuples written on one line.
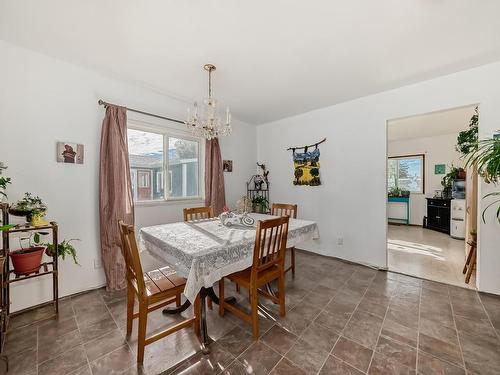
[(229, 218)]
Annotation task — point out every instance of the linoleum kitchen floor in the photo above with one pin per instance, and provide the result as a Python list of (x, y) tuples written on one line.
[(428, 254), (341, 319)]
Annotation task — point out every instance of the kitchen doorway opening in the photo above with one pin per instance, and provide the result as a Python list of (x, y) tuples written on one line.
[(431, 196)]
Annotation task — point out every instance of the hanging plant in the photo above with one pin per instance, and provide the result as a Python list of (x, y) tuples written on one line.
[(467, 139)]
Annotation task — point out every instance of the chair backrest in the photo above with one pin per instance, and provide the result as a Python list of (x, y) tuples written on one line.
[(270, 244), (284, 209), (198, 213), (130, 253)]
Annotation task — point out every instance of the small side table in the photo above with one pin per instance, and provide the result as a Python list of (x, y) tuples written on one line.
[(405, 200)]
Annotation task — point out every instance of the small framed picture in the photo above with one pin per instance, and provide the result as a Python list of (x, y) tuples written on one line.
[(439, 168), (68, 152), (227, 165)]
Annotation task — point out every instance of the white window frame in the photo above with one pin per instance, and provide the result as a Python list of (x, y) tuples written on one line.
[(422, 170), (167, 132)]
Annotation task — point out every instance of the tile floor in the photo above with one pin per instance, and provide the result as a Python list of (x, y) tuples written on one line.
[(341, 319), (427, 254)]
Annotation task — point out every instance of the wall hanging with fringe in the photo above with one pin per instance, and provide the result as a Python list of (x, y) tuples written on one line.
[(306, 164)]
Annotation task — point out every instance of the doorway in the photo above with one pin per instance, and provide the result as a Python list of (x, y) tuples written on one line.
[(431, 198)]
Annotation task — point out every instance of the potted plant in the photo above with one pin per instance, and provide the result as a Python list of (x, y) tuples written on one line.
[(447, 181), (32, 207), (28, 259), (394, 192), (4, 181), (467, 139), (260, 204), (64, 248), (405, 193), (486, 158)]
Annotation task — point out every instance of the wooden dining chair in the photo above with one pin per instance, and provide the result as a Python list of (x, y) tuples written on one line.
[(198, 213), (268, 265), (154, 289), (284, 209)]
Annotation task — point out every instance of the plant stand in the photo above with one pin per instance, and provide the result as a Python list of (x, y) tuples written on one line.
[(253, 192), (46, 268)]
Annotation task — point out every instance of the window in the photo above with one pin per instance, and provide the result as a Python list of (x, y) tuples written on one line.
[(155, 154), (406, 173)]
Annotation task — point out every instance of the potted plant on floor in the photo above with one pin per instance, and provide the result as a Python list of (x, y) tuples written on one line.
[(260, 204)]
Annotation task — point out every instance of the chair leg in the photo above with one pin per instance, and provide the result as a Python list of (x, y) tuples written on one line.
[(221, 297), (130, 309), (141, 334), (293, 261), (178, 300), (238, 289), (254, 300), (281, 296)]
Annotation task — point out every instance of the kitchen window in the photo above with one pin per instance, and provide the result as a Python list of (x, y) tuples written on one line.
[(155, 153)]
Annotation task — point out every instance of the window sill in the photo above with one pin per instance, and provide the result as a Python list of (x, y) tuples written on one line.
[(170, 202)]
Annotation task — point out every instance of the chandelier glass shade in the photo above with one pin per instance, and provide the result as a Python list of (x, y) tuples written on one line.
[(206, 121)]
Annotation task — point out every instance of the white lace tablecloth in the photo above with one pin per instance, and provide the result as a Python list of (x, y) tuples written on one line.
[(204, 251)]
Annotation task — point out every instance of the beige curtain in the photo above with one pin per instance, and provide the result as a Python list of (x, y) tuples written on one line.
[(115, 194), (214, 177)]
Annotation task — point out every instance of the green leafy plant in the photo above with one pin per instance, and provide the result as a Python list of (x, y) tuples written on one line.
[(394, 192), (4, 181), (64, 248), (30, 203), (486, 158), (454, 174), (260, 201), (467, 139)]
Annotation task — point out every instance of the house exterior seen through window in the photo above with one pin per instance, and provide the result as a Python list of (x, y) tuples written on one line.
[(155, 155), (406, 173)]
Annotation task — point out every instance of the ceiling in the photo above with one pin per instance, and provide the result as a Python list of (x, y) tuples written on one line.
[(430, 124), (274, 58)]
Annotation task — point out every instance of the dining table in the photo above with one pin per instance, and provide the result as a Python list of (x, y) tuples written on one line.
[(203, 251)]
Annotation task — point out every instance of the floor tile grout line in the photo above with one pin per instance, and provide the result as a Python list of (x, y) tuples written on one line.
[(497, 333), (418, 325), (80, 333), (305, 329), (121, 333), (350, 317), (379, 333), (458, 336)]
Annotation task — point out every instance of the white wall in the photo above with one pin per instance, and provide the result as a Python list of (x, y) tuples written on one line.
[(438, 149), (352, 200), (43, 100)]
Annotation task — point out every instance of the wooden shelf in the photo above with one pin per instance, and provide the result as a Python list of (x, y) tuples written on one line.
[(46, 268)]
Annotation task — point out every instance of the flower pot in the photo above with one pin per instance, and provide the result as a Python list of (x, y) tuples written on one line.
[(37, 219), (27, 261)]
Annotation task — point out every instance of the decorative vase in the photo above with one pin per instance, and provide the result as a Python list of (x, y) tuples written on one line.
[(27, 261)]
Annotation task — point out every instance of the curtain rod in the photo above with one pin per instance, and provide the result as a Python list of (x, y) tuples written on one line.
[(105, 104), (304, 147)]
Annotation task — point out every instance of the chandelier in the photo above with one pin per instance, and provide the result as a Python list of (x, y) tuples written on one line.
[(206, 122)]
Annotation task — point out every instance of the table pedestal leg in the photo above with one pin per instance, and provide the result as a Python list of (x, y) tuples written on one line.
[(205, 339), (177, 310)]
